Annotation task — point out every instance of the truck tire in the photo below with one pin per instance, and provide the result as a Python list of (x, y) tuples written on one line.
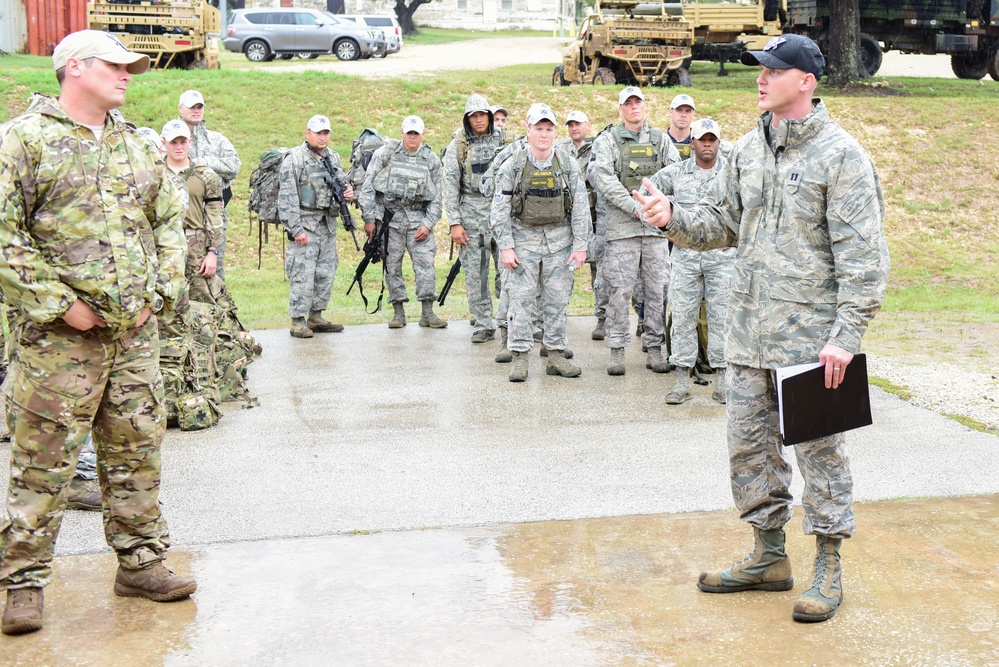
[(969, 65), (257, 51), (346, 49), (558, 76), (771, 10), (871, 55), (605, 76), (678, 77)]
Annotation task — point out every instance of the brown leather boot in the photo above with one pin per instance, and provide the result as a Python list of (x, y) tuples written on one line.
[(299, 329), (23, 612), (317, 323), (84, 494), (155, 582)]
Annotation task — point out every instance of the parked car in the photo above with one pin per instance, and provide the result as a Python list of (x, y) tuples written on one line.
[(268, 32), (389, 24)]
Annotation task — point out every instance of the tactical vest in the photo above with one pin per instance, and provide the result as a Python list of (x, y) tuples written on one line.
[(540, 196), (476, 158), (682, 147), (315, 194), (406, 177), (638, 160)]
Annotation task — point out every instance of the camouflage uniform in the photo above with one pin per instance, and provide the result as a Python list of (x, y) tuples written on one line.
[(696, 275), (595, 249), (636, 253), (204, 225), (543, 249), (804, 207), (409, 185), (310, 268), (98, 221), (466, 206), (211, 149)]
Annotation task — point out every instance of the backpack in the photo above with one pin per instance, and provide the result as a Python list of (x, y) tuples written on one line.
[(265, 183), (235, 350), (189, 404), (361, 151)]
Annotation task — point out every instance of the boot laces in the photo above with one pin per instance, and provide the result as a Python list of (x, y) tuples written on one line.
[(821, 568), (24, 598)]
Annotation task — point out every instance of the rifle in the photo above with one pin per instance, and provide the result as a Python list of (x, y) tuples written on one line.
[(451, 275), (375, 250), (348, 222)]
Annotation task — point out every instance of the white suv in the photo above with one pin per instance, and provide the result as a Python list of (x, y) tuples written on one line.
[(387, 24)]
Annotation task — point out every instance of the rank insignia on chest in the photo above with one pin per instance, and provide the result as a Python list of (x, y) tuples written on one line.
[(794, 177)]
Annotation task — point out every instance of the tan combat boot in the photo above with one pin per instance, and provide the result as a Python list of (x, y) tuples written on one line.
[(504, 356), (567, 353), (767, 568), (616, 366), (681, 390), (720, 386), (318, 324), (820, 602), (519, 371), (155, 582), (398, 320), (299, 329), (428, 318), (23, 612), (655, 362), (600, 331), (84, 494), (558, 364)]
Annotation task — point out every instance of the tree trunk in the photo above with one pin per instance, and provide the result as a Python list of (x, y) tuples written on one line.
[(404, 12), (843, 43)]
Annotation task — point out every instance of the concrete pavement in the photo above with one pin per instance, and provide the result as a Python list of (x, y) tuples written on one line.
[(488, 497)]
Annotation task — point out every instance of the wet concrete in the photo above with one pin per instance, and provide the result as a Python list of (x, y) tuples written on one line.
[(389, 432), (920, 581)]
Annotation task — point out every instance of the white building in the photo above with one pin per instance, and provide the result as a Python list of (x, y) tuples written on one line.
[(481, 14)]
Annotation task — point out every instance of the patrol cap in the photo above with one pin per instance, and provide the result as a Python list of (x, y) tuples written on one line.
[(319, 124), (191, 97), (175, 128), (150, 135), (786, 52), (540, 112), (496, 107), (412, 124), (85, 44), (681, 100), (704, 126), (630, 91), (577, 116)]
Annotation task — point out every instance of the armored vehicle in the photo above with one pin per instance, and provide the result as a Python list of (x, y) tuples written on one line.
[(723, 30), (629, 42), (173, 34)]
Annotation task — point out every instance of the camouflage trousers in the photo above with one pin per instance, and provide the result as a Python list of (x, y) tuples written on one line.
[(62, 385), (761, 476), (696, 276), (199, 288), (550, 273), (475, 258), (220, 269), (640, 261), (421, 253), (598, 284), (503, 309), (311, 269)]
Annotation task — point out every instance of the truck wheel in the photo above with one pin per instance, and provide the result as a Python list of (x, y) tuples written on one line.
[(771, 9), (870, 55), (969, 65), (346, 49), (678, 77), (558, 76), (605, 76), (993, 64), (257, 51)]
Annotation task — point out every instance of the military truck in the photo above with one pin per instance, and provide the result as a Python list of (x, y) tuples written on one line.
[(723, 30), (968, 30), (172, 33), (629, 42)]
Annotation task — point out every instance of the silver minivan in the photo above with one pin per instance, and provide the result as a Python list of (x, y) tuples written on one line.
[(268, 32), (388, 24)]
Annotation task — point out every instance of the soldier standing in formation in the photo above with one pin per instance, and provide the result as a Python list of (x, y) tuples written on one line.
[(697, 275), (466, 160), (540, 218), (681, 115), (801, 200), (86, 327), (636, 254), (404, 177), (210, 149), (309, 212)]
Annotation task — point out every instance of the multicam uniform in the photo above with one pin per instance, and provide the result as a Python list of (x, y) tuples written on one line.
[(409, 185), (94, 220), (636, 253), (696, 275), (204, 223), (211, 149), (306, 205), (465, 161), (540, 210), (803, 204)]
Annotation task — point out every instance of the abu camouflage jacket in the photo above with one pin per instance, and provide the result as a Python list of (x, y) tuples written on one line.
[(407, 183), (808, 221), (213, 150), (79, 218)]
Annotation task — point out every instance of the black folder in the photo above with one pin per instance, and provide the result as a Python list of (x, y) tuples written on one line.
[(810, 411)]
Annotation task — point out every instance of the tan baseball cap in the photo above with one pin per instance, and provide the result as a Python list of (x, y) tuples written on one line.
[(98, 44), (704, 126)]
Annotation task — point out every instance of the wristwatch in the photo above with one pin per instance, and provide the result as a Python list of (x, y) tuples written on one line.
[(214, 251)]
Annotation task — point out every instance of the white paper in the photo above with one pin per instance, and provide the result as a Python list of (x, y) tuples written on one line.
[(783, 374)]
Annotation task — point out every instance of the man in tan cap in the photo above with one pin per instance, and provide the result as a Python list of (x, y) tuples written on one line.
[(92, 248)]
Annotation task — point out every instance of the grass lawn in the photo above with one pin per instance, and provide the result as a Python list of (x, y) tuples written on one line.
[(930, 139)]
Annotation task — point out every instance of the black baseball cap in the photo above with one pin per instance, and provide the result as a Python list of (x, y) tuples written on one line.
[(786, 52)]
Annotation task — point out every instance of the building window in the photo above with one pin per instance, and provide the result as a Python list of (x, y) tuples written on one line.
[(462, 4), (506, 5)]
